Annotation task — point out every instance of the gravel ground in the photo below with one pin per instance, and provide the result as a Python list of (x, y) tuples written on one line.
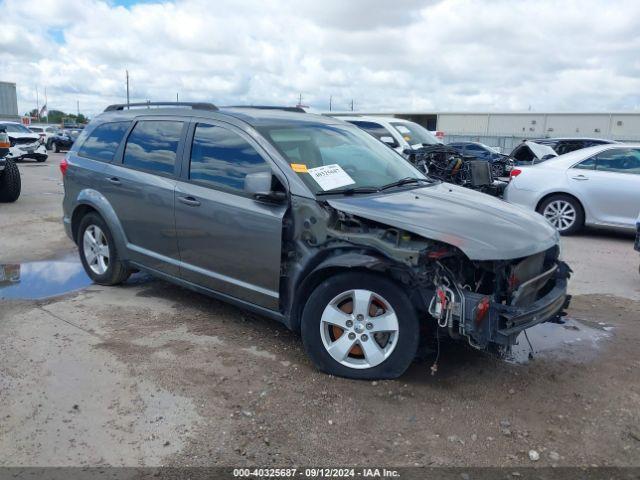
[(152, 374)]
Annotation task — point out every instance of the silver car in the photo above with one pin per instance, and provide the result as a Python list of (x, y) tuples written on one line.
[(313, 222), (598, 186)]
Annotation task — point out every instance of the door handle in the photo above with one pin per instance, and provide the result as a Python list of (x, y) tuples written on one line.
[(114, 180), (580, 177), (192, 202)]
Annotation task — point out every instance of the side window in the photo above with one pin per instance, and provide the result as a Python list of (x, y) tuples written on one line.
[(376, 130), (588, 164), (153, 145), (104, 141), (222, 159), (625, 160)]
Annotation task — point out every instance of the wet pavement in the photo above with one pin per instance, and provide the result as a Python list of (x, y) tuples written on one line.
[(571, 340), (37, 280)]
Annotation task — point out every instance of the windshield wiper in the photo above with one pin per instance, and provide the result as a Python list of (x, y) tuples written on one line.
[(349, 191), (404, 181)]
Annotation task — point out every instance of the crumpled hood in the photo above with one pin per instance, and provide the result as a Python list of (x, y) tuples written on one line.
[(483, 227)]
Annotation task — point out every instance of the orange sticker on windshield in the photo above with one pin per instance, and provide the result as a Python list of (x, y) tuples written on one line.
[(299, 167)]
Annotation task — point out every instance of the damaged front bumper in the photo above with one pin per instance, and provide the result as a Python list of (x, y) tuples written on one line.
[(484, 321)]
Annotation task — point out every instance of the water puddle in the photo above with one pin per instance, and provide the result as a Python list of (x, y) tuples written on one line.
[(36, 280), (571, 340)]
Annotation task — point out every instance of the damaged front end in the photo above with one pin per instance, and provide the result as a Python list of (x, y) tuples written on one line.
[(481, 302), (493, 302)]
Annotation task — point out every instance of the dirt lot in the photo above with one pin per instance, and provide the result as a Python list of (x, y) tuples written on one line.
[(152, 374)]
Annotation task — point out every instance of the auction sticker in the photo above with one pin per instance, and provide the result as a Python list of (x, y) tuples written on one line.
[(330, 177)]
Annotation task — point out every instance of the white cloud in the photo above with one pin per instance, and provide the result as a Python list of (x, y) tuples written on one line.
[(405, 54)]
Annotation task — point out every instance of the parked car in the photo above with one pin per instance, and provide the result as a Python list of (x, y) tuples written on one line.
[(500, 163), (24, 143), (531, 152), (9, 173), (63, 139), (597, 186), (45, 132), (429, 154), (399, 134), (311, 221)]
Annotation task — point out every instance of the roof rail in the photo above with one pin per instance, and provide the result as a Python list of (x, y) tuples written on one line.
[(193, 105), (269, 107)]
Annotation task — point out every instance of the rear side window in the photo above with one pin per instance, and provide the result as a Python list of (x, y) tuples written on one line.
[(153, 146), (104, 141), (222, 159), (625, 160)]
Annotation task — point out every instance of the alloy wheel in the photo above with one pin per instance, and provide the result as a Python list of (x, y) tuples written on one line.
[(96, 249), (561, 214), (359, 329)]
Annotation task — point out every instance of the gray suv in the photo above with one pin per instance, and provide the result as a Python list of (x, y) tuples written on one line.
[(311, 221)]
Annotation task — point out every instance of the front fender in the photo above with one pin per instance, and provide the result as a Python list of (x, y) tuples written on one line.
[(343, 261), (92, 198)]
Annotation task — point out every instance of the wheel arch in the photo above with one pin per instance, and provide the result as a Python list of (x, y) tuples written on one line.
[(93, 201), (561, 192), (348, 261)]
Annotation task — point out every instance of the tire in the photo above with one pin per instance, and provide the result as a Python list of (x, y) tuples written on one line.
[(42, 158), (111, 271), (563, 212), (365, 354), (55, 147), (48, 145), (10, 184)]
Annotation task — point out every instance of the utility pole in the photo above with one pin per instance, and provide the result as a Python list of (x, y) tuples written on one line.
[(127, 71), (37, 104), (300, 99), (77, 109), (352, 104), (330, 101), (177, 98), (46, 104)]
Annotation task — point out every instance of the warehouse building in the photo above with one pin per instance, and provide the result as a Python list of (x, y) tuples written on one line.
[(8, 102), (505, 130)]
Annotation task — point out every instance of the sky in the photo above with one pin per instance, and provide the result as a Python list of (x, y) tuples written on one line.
[(385, 55)]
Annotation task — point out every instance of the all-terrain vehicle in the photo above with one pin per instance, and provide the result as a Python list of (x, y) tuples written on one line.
[(9, 174), (309, 220)]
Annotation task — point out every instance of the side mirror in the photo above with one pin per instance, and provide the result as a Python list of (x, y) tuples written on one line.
[(388, 140), (259, 186)]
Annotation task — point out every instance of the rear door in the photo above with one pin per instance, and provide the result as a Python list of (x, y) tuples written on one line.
[(609, 184), (140, 186), (228, 241)]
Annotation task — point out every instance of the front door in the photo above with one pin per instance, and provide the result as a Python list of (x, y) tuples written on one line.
[(228, 241), (141, 191), (609, 183)]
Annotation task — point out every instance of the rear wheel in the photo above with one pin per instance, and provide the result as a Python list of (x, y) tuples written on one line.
[(563, 212), (98, 252), (359, 325), (55, 147), (10, 184)]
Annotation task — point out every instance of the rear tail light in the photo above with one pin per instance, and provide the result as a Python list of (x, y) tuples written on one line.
[(482, 309), (63, 166), (4, 140), (515, 172)]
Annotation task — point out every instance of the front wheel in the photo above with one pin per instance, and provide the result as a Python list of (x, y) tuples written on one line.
[(360, 325), (98, 252)]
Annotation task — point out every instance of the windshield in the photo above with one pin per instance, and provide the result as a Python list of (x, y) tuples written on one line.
[(335, 157), (414, 134)]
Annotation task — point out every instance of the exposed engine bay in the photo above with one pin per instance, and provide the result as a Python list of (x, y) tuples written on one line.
[(445, 163), (481, 302)]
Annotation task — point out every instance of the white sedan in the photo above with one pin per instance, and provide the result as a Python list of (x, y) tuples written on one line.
[(597, 186)]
